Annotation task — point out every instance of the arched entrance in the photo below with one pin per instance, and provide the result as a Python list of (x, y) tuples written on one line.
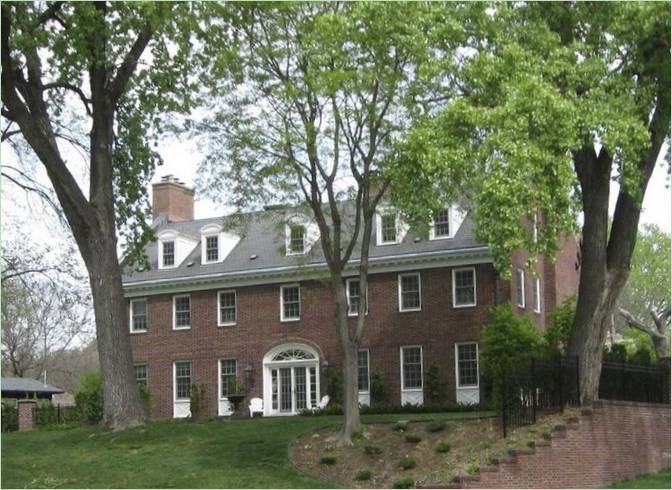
[(291, 379)]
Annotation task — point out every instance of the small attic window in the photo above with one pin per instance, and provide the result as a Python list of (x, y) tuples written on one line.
[(212, 248), (168, 253), (297, 239)]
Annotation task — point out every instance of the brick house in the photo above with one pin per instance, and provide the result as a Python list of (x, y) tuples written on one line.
[(243, 299)]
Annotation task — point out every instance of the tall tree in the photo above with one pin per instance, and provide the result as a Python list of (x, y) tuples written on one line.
[(308, 98), (644, 303), (558, 99), (97, 76)]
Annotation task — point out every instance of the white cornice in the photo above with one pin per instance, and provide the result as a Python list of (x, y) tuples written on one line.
[(275, 275)]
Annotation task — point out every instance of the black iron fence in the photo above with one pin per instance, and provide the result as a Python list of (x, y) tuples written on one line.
[(637, 383), (55, 415), (547, 386), (541, 387)]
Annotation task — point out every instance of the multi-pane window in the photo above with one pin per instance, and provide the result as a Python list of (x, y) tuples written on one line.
[(442, 224), (181, 311), (354, 296), (138, 315), (212, 248), (182, 380), (464, 287), (363, 370), (520, 288), (290, 298), (140, 374), (388, 228), (168, 253), (227, 308), (411, 368), (409, 292), (536, 295), (297, 235), (467, 364), (227, 376)]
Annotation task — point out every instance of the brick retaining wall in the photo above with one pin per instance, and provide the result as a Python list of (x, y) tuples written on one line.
[(611, 442)]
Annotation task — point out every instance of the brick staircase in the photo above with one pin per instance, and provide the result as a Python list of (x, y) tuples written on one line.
[(607, 443)]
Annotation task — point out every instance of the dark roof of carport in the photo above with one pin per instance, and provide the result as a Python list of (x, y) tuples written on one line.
[(28, 385)]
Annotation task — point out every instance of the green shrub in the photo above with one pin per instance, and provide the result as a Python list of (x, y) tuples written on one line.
[(400, 426), (559, 329), (372, 450), (10, 420), (486, 445), (404, 483), (436, 426), (433, 385), (89, 398), (328, 460), (363, 475), (443, 447), (378, 388), (335, 386), (413, 438), (473, 468), (617, 353), (145, 397), (407, 463), (196, 401)]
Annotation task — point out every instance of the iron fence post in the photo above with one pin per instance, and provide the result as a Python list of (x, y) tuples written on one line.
[(623, 380), (503, 395), (534, 395)]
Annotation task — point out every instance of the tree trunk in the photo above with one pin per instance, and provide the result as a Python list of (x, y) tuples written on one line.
[(122, 406), (662, 346)]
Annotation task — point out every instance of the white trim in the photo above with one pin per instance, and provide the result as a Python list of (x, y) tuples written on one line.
[(457, 372), (274, 275), (451, 231), (347, 296), (175, 327), (204, 248), (368, 370), (191, 376), (288, 238), (282, 303), (536, 290), (466, 305), (219, 308), (130, 314), (161, 244), (401, 368), (219, 375), (405, 310), (520, 298)]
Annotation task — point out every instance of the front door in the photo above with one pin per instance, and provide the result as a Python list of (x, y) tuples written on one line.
[(291, 381)]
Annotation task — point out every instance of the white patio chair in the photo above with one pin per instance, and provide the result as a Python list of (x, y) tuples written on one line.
[(256, 406), (323, 403)]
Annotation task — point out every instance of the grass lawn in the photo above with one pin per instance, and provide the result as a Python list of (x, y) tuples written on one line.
[(654, 480), (247, 453)]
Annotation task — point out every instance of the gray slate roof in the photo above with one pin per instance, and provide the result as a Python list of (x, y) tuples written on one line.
[(262, 234), (28, 384)]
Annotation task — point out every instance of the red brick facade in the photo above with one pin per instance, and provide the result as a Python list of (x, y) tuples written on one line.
[(437, 327), (612, 442)]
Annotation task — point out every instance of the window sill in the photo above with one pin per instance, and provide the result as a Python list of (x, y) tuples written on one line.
[(226, 324), (412, 390), (290, 320), (449, 237), (473, 387), (414, 310), (382, 244), (134, 332), (471, 305), (522, 307), (182, 328)]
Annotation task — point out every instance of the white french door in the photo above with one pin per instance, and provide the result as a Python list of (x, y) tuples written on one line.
[(293, 389)]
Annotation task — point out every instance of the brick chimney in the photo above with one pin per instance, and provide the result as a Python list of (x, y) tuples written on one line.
[(172, 197)]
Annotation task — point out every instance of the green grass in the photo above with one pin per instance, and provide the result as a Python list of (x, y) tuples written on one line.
[(246, 453), (654, 480)]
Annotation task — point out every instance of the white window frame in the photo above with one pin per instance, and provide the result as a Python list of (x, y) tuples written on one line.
[(368, 370), (520, 298), (536, 295), (466, 305), (422, 368), (457, 367), (219, 308), (204, 250), (288, 238), (282, 303), (432, 228), (185, 327), (219, 375), (191, 379), (407, 274), (161, 245), (347, 296), (535, 228), (379, 227), (130, 313), (137, 364)]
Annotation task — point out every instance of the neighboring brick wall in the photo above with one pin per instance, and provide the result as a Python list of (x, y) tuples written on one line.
[(26, 414), (612, 442), (437, 328), (567, 268)]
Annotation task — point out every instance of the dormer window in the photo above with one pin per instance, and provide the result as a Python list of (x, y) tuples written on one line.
[(168, 253), (212, 248), (442, 224), (297, 239), (389, 227)]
